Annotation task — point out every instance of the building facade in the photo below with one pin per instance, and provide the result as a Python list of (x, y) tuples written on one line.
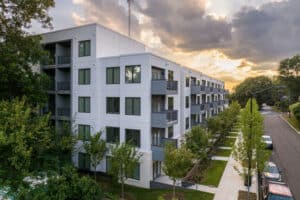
[(104, 81)]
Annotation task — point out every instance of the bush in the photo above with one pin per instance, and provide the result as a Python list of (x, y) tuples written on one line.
[(295, 109)]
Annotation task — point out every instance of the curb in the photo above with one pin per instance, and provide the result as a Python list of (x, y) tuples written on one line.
[(290, 125)]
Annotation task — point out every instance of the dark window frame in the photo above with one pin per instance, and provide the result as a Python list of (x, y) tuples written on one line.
[(115, 131), (108, 106), (84, 98), (85, 81), (132, 111), (86, 50), (132, 80), (115, 70), (134, 141)]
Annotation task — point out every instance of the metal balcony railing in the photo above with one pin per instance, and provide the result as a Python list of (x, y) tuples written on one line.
[(63, 112), (63, 85), (63, 60)]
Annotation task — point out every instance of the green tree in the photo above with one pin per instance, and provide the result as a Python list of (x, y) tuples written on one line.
[(63, 186), (123, 162), (20, 51), (250, 151), (295, 109), (214, 125), (197, 141), (289, 75), (177, 163), (250, 85), (96, 149)]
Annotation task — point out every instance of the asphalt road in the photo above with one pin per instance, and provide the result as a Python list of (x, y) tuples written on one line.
[(286, 153)]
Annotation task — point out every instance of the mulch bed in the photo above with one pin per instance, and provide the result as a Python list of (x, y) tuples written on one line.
[(243, 195), (169, 195)]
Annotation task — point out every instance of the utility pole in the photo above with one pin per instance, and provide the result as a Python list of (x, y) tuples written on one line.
[(129, 17)]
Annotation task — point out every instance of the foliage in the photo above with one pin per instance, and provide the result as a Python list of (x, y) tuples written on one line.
[(289, 75), (123, 161), (96, 149), (177, 163), (19, 51), (250, 85), (27, 142), (251, 149), (67, 185), (295, 109), (214, 124), (213, 173), (197, 141)]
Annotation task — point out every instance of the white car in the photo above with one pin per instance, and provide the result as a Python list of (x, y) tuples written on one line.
[(271, 172), (268, 141)]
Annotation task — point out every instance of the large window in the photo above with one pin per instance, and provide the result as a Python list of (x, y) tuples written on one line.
[(136, 173), (84, 104), (84, 76), (133, 137), (187, 82), (133, 74), (132, 106), (170, 75), (112, 134), (187, 101), (113, 75), (170, 103), (84, 48), (84, 132), (83, 161), (170, 132), (113, 105), (187, 123)]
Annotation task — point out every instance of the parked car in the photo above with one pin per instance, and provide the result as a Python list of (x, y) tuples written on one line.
[(268, 141), (271, 172), (277, 191)]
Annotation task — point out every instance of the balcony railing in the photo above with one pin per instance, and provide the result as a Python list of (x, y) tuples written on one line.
[(63, 60), (197, 89), (63, 85), (58, 60), (158, 151), (164, 119), (197, 108), (164, 87), (63, 112)]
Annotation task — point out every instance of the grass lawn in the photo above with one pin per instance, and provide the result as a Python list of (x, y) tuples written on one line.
[(135, 193), (223, 152), (293, 121), (213, 173), (228, 142)]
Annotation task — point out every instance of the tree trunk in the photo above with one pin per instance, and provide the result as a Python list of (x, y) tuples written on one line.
[(95, 173), (174, 188), (122, 181)]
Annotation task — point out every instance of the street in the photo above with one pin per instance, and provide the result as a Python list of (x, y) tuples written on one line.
[(286, 153)]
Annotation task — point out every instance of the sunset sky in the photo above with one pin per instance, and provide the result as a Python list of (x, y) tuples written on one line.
[(226, 39)]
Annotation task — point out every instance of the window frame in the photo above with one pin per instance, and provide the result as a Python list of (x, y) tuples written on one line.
[(83, 136), (107, 105), (86, 51), (187, 101), (84, 98), (187, 123), (115, 141), (132, 111), (84, 81), (113, 81), (132, 140), (131, 80)]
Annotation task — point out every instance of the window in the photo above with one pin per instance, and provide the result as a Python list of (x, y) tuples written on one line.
[(108, 164), (187, 101), (187, 123), (170, 132), (113, 75), (84, 48), (133, 74), (170, 103), (84, 104), (187, 82), (83, 161), (112, 134), (133, 137), (113, 105), (136, 173), (84, 132), (132, 106), (84, 76), (170, 75)]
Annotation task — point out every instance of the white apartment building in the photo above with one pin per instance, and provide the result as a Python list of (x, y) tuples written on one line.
[(105, 81)]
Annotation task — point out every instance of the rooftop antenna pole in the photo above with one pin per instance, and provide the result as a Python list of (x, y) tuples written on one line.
[(129, 17)]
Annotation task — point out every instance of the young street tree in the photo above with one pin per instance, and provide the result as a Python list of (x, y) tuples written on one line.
[(123, 162), (250, 151), (95, 148), (177, 163)]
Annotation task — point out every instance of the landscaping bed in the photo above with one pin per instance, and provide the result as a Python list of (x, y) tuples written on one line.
[(223, 152), (243, 196), (228, 142), (213, 174), (293, 121)]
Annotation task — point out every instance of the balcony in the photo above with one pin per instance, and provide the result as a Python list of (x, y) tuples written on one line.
[(63, 61), (197, 89), (158, 151), (164, 119), (59, 61), (164, 87), (64, 86), (197, 108), (63, 113)]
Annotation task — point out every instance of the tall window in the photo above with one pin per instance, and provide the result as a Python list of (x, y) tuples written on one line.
[(113, 75), (187, 123), (170, 75), (84, 48), (84, 104), (83, 161), (133, 137), (187, 82), (132, 106), (84, 76), (84, 132), (113, 105), (136, 173), (133, 74), (187, 101), (170, 103), (112, 134), (170, 132)]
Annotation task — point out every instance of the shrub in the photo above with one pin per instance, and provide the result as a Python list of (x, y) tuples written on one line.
[(295, 109)]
